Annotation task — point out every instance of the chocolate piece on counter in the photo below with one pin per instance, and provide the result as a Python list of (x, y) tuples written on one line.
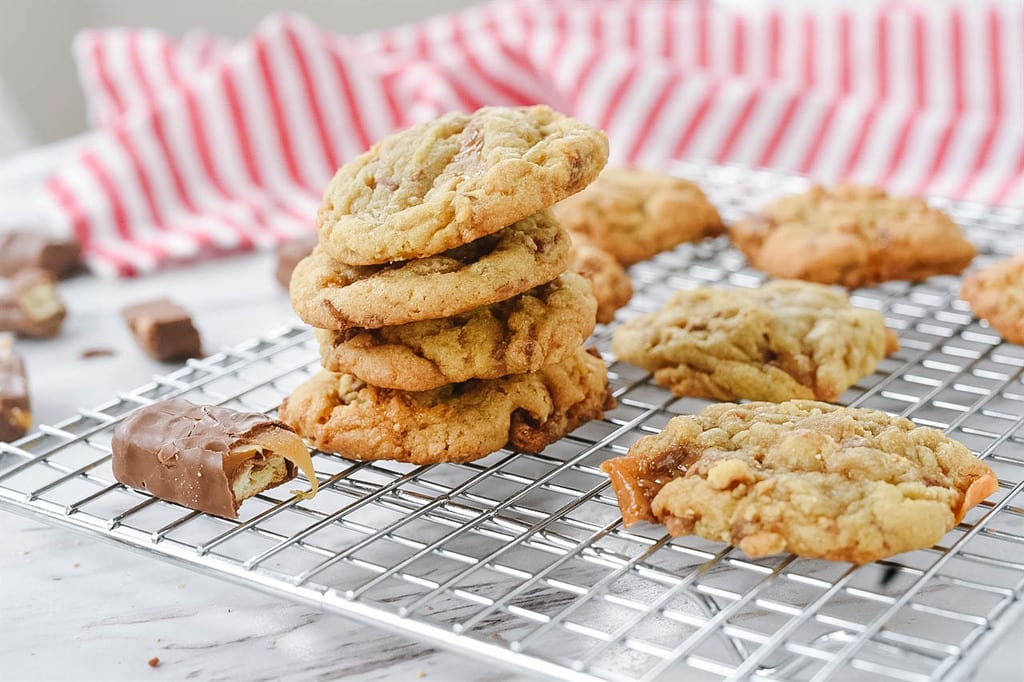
[(289, 254), (164, 330), (30, 304), (205, 457), (89, 353), (15, 412), (20, 250)]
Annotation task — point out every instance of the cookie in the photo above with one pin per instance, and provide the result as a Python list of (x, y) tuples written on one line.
[(329, 295), (454, 423), (521, 334), (454, 179), (612, 286), (787, 339), (634, 214), (814, 479), (854, 236), (997, 295)]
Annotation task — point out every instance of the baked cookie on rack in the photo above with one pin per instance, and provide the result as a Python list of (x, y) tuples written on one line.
[(634, 214), (454, 423), (786, 339), (611, 284), (814, 479), (854, 236), (521, 334), (452, 180), (996, 294), (526, 254)]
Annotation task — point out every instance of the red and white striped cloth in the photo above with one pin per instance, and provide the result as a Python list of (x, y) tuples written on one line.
[(207, 147)]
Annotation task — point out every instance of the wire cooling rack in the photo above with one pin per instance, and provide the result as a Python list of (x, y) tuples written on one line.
[(523, 558)]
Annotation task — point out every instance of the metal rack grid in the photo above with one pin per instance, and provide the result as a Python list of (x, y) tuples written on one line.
[(523, 558)]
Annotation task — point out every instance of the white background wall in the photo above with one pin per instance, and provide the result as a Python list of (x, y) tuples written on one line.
[(35, 41)]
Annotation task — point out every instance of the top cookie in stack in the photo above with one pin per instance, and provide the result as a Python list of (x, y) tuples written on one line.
[(447, 323)]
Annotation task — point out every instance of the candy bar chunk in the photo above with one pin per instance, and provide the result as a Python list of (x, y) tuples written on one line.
[(164, 330), (30, 304), (15, 412), (21, 250), (289, 254), (205, 457)]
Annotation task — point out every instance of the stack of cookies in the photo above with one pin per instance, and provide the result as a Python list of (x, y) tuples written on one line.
[(447, 322)]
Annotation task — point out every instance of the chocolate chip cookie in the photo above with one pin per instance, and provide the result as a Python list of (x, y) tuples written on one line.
[(330, 295), (612, 286), (814, 479), (447, 182), (634, 214), (854, 236), (787, 339), (521, 334), (454, 423), (997, 295)]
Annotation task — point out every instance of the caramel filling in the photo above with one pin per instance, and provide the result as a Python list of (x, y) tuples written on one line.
[(638, 481), (280, 442)]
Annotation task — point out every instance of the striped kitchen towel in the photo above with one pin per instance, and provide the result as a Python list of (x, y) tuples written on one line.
[(206, 147)]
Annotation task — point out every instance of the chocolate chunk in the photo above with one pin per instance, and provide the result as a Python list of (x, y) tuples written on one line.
[(30, 305), (90, 353), (164, 330), (15, 410), (21, 250), (289, 254), (205, 457)]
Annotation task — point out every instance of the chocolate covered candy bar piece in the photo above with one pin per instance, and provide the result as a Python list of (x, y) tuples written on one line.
[(20, 250), (30, 304), (289, 254), (164, 330), (15, 412), (205, 457)]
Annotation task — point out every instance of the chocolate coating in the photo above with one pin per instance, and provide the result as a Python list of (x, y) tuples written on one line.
[(15, 409), (164, 330), (289, 254), (20, 250), (184, 453)]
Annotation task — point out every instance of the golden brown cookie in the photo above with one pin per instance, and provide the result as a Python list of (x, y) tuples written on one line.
[(454, 423), (521, 334), (814, 479), (787, 339), (634, 214), (454, 179), (997, 295), (854, 236), (329, 295), (612, 286)]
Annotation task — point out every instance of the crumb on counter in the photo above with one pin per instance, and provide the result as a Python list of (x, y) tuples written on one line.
[(153, 662)]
